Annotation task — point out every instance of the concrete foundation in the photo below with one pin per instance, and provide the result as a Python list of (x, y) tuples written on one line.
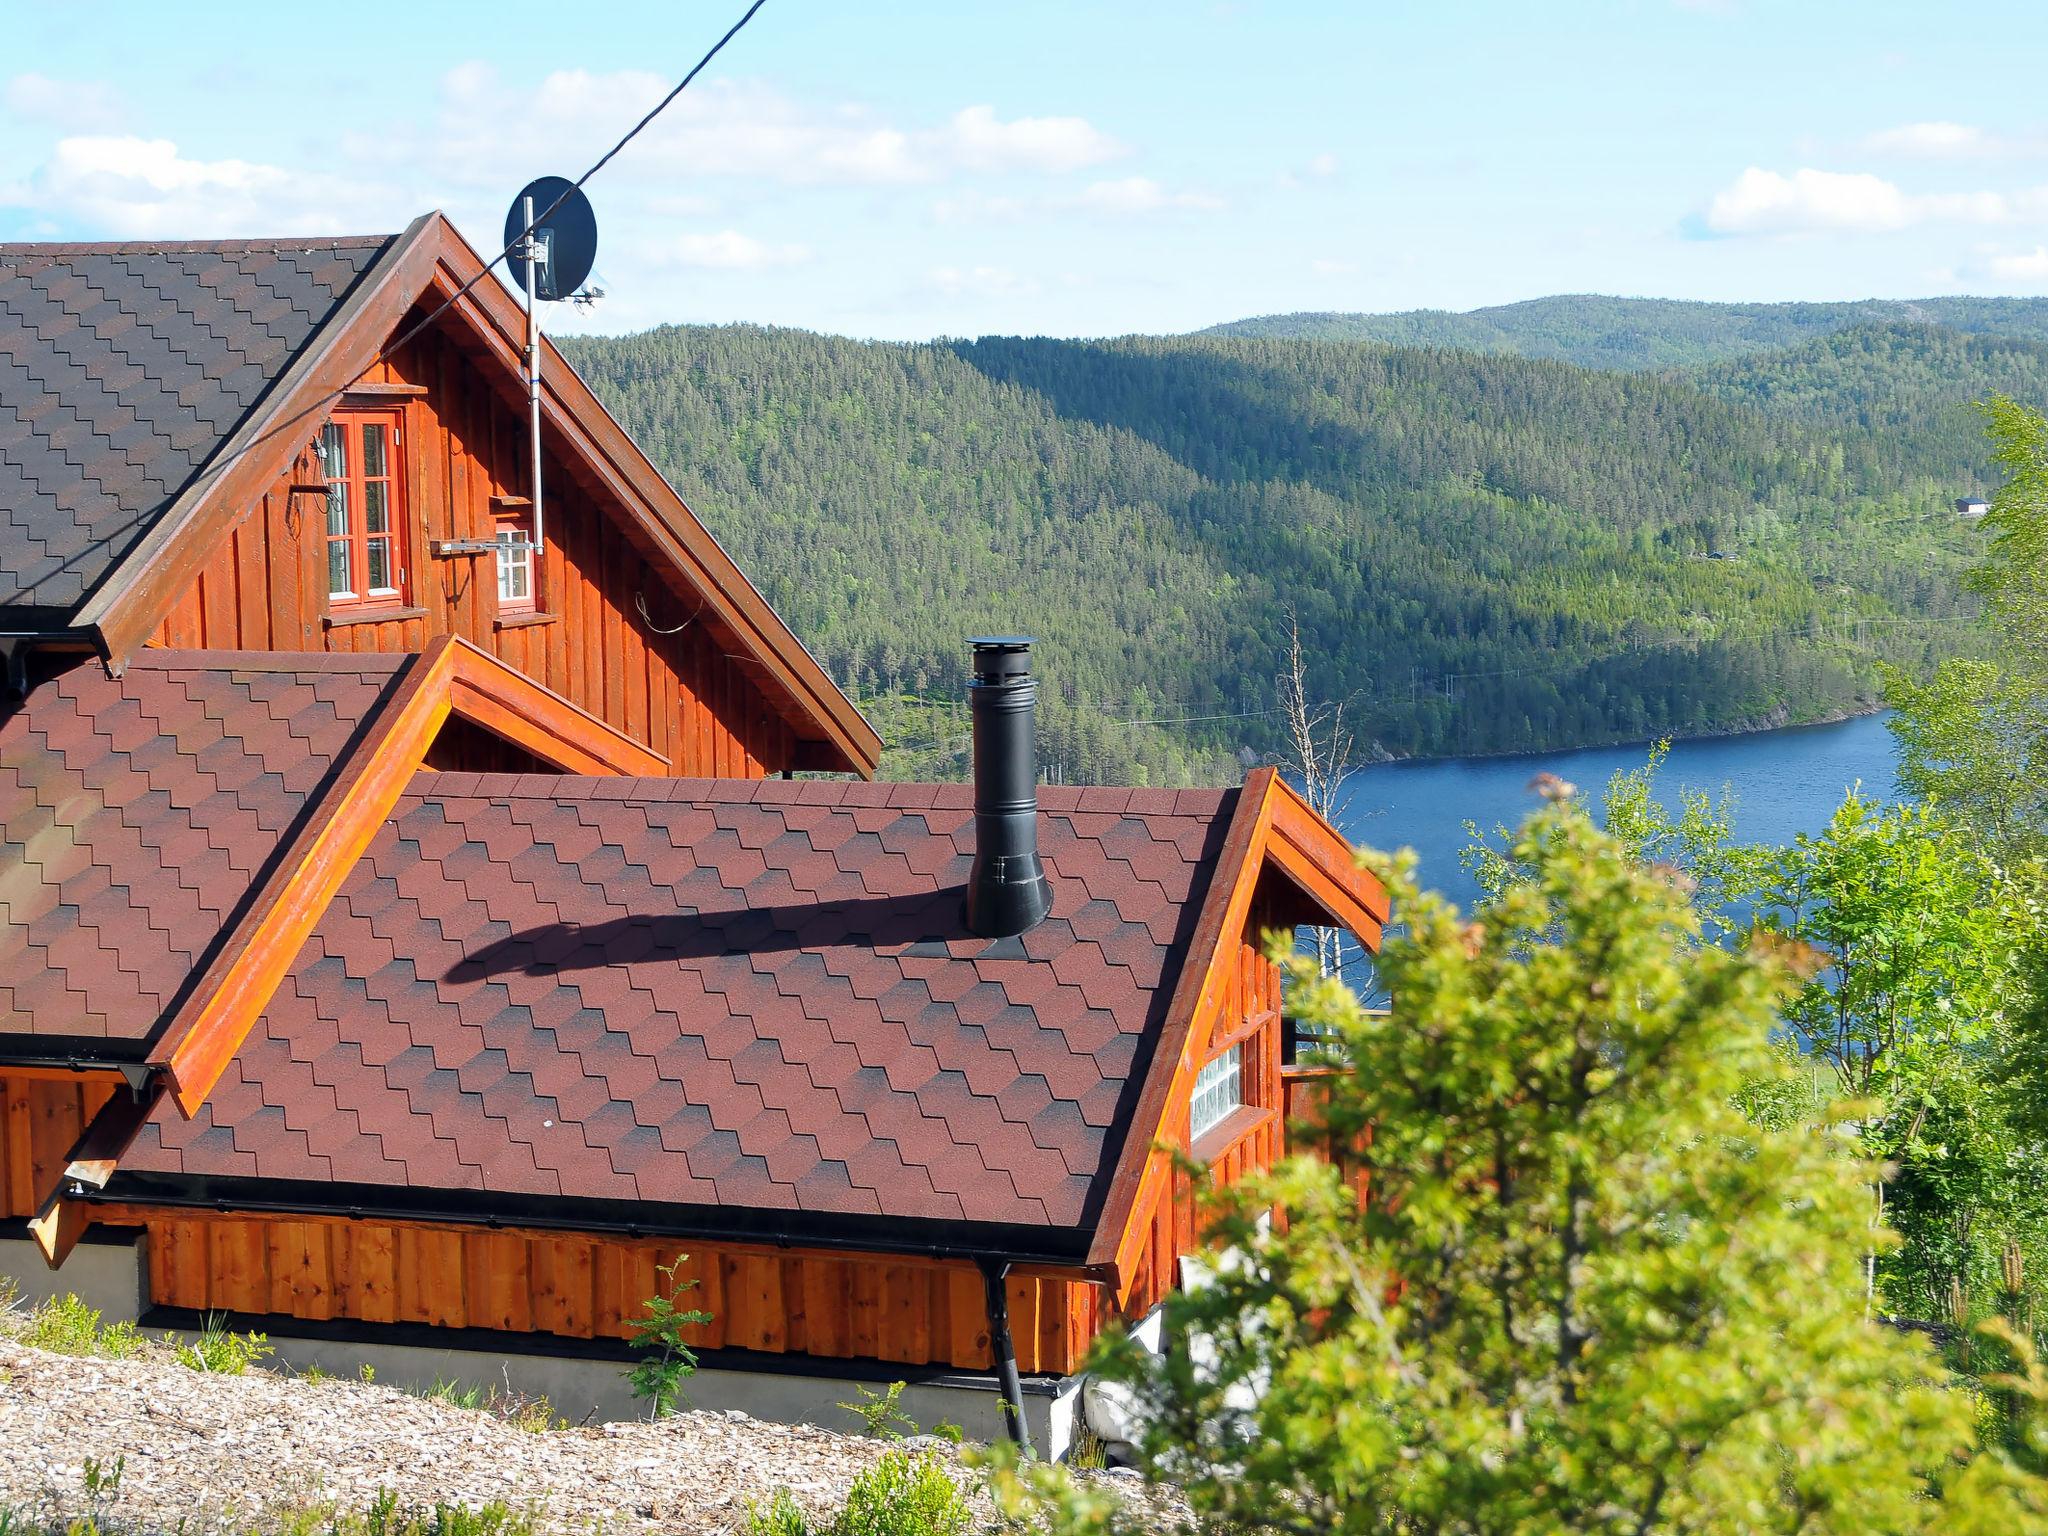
[(111, 1275), (103, 1274)]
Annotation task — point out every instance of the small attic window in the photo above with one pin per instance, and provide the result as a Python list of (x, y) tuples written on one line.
[(514, 531), (359, 456), (1219, 1089)]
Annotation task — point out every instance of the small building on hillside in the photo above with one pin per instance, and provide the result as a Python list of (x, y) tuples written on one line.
[(1972, 509), (418, 941)]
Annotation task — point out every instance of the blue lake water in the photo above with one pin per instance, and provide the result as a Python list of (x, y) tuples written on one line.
[(1785, 782)]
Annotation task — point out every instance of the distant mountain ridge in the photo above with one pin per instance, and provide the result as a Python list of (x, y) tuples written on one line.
[(1641, 335)]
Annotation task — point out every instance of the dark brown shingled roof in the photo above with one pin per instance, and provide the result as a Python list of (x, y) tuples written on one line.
[(135, 815), (719, 1005), (123, 368)]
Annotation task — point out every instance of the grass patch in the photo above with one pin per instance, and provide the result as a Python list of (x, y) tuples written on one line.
[(900, 1495), (221, 1352), (382, 1516)]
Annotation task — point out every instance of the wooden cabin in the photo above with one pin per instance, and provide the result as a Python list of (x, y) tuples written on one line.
[(418, 939)]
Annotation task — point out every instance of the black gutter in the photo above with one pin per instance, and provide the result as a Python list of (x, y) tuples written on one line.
[(1062, 1248), (994, 1272)]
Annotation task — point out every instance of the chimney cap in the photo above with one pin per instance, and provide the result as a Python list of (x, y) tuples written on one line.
[(1001, 642)]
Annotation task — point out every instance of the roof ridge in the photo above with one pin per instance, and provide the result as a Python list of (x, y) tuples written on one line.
[(10, 249)]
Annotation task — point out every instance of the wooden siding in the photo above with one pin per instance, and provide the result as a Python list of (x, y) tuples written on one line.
[(908, 1311), (1247, 1143), (41, 1118), (263, 587)]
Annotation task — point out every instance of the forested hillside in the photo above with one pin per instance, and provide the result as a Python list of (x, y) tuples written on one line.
[(1486, 552), (1597, 331)]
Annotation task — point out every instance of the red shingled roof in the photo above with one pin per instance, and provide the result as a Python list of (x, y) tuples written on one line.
[(727, 996), (135, 816)]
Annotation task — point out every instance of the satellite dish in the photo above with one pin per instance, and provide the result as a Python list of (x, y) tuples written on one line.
[(569, 235)]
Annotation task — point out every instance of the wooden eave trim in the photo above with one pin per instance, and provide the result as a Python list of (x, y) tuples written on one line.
[(204, 1035), (139, 1212), (450, 677), (39, 1073), (632, 481), (133, 600), (1142, 1165), (1271, 823), (508, 703), (1315, 856)]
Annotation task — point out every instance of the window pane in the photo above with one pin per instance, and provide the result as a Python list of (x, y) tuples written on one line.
[(373, 450), (377, 506), (337, 509), (380, 565), (337, 569), (1218, 1090), (334, 451)]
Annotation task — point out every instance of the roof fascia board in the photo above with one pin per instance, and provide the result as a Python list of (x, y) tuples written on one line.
[(1316, 857), (508, 703), (450, 677), (1272, 825), (1141, 1164), (135, 597), (631, 479), (204, 1035)]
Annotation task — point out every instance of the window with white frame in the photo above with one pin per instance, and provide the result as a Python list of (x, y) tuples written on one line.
[(515, 563), (1219, 1088)]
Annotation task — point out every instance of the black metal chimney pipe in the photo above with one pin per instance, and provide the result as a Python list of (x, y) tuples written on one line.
[(1007, 892)]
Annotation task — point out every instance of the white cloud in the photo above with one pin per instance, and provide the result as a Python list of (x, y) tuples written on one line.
[(1325, 164), (982, 282), (489, 132), (978, 140), (1760, 202), (1324, 266), (729, 250), (2026, 266), (1141, 195), (73, 105), (138, 188), (1932, 139)]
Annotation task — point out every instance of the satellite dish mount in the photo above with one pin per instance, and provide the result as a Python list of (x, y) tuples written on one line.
[(551, 240)]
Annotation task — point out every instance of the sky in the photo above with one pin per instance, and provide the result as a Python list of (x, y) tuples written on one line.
[(903, 169)]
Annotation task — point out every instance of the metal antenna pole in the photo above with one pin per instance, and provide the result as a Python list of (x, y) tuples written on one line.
[(532, 253)]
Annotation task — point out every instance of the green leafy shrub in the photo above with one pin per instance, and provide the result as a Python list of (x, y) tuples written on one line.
[(904, 1495), (880, 1416), (221, 1352), (666, 1360), (67, 1326)]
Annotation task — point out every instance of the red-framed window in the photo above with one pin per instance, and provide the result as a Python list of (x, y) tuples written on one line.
[(359, 455), (518, 573)]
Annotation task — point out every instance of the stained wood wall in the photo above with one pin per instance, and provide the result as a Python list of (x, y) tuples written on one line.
[(265, 589), (1250, 1142), (911, 1312), (41, 1119)]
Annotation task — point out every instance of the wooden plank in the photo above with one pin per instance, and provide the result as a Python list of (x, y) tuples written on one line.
[(366, 1279), (497, 1275), (238, 1267), (19, 1160), (967, 1343), (56, 1121), (906, 1315), (301, 1270), (187, 1266)]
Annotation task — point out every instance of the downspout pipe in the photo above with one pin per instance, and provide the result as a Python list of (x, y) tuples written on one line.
[(994, 1275)]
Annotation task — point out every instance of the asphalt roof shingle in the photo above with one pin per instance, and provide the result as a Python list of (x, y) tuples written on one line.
[(712, 993), (136, 814), (123, 368)]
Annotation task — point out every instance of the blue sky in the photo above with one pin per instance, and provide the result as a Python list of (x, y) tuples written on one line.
[(917, 169)]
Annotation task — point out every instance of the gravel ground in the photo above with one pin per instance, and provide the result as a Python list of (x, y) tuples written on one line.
[(216, 1452)]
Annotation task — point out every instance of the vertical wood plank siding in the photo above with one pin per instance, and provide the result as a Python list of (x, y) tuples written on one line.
[(41, 1119), (1252, 1001), (908, 1312), (264, 586)]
